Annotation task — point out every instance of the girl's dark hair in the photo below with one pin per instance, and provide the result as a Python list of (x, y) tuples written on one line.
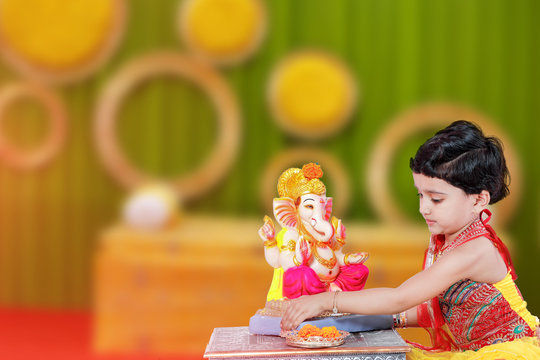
[(461, 155)]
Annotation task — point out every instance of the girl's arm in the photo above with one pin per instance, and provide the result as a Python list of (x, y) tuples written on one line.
[(467, 261)]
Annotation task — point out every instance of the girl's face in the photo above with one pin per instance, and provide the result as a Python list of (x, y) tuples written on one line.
[(447, 209)]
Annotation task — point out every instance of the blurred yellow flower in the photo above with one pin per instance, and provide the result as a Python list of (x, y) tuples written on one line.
[(55, 34), (222, 29), (312, 93)]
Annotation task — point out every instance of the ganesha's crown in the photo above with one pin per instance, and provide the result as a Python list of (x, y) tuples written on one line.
[(295, 182)]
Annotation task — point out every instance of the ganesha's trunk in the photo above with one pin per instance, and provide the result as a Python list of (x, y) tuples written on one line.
[(321, 229)]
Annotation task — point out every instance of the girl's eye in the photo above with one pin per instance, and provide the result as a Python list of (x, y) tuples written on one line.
[(436, 200), (309, 206)]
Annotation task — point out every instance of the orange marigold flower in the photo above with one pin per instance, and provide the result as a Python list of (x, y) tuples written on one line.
[(312, 171), (309, 330), (329, 332)]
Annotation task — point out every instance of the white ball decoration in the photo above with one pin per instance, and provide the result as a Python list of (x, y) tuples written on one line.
[(150, 208)]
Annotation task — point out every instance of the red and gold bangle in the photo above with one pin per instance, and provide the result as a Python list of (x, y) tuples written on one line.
[(400, 320), (296, 262), (403, 319), (396, 324), (346, 259)]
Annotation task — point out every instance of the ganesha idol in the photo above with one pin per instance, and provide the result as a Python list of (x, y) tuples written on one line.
[(307, 253)]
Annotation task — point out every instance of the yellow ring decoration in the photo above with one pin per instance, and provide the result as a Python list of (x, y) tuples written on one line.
[(312, 94), (55, 41), (224, 32), (427, 116), (57, 126), (220, 159), (331, 167)]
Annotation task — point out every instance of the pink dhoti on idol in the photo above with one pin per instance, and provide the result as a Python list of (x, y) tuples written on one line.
[(302, 280)]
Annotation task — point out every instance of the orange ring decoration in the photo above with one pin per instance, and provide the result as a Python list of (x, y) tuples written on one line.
[(311, 78), (425, 117), (296, 157), (139, 70), (87, 65), (57, 129), (222, 53)]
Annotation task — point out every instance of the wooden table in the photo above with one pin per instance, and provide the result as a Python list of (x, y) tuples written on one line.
[(237, 343)]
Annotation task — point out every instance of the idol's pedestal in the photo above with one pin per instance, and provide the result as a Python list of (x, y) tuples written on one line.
[(234, 343)]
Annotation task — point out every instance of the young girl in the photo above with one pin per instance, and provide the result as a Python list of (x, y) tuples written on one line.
[(467, 284)]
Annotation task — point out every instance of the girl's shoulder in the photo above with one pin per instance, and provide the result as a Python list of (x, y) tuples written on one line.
[(484, 260)]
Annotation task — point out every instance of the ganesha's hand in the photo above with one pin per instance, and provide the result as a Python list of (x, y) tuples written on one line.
[(340, 230), (267, 232), (355, 258), (302, 252)]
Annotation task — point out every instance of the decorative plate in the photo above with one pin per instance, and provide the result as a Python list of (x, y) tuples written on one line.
[(292, 339)]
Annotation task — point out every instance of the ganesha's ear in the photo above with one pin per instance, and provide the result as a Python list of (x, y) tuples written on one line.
[(285, 212), (328, 208)]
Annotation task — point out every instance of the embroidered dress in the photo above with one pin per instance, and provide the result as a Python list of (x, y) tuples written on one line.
[(487, 321)]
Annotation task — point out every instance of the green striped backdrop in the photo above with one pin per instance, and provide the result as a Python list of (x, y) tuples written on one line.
[(483, 54)]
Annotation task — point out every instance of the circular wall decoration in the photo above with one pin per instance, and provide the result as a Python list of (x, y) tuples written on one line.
[(222, 31), (57, 42), (55, 138), (424, 117), (142, 69), (312, 94), (332, 169)]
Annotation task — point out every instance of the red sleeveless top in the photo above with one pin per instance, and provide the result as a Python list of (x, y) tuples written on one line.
[(477, 314), (480, 314)]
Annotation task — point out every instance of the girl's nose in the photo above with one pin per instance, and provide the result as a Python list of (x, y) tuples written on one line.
[(424, 208)]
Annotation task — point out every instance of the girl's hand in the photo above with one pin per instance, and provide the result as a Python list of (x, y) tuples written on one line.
[(303, 308)]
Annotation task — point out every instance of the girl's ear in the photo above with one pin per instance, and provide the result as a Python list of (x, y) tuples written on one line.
[(482, 200)]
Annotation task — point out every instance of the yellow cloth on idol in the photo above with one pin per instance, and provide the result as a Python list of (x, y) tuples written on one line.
[(276, 288), (522, 349)]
